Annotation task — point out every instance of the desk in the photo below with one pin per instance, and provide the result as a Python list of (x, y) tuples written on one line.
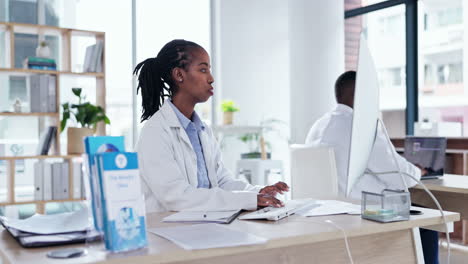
[(452, 193), (291, 240)]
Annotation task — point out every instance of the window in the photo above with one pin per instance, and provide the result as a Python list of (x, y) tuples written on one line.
[(117, 25), (442, 90), (383, 29), (192, 23)]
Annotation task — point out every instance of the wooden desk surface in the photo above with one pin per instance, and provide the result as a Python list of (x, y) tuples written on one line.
[(448, 183), (289, 232)]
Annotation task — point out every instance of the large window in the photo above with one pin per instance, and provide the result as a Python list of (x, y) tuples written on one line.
[(177, 19), (383, 30), (443, 94), (439, 59)]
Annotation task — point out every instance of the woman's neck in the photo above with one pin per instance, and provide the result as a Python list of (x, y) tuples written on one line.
[(185, 106)]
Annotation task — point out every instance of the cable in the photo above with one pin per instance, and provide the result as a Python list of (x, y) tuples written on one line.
[(419, 182), (345, 239), (432, 197), (337, 227)]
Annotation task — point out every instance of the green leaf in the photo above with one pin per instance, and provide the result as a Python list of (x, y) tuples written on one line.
[(85, 113), (228, 106), (76, 91)]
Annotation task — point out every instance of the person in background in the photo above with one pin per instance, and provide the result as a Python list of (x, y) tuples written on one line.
[(333, 129), (180, 161)]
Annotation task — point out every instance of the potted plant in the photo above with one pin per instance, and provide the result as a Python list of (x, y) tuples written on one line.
[(257, 145), (43, 50), (228, 107), (86, 115)]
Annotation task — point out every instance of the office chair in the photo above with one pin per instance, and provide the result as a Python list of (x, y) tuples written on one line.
[(313, 172)]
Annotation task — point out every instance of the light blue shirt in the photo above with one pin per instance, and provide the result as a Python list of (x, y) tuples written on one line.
[(193, 128)]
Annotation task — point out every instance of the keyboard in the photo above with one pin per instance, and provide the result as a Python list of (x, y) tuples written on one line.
[(275, 214)]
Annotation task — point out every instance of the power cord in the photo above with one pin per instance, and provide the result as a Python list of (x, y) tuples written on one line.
[(416, 180), (432, 197), (345, 236)]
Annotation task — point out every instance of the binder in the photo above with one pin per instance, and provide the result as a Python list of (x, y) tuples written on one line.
[(38, 181), (56, 181), (47, 181), (76, 176), (52, 100), (65, 178), (34, 95), (43, 93)]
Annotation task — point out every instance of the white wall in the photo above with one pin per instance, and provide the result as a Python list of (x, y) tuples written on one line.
[(277, 59), (252, 65), (316, 30)]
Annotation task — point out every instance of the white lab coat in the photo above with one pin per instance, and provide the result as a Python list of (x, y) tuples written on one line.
[(168, 167), (334, 130)]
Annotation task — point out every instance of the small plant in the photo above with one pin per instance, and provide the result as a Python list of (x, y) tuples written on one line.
[(228, 106), (85, 113)]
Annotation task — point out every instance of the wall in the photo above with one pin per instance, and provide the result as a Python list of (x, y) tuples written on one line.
[(251, 45), (316, 59)]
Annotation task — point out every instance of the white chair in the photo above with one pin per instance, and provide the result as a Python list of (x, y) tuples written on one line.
[(258, 169), (313, 172)]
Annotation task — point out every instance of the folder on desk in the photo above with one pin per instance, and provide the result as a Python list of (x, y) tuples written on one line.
[(32, 240), (49, 230), (220, 217)]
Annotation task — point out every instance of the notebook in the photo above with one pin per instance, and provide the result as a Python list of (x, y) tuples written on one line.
[(220, 217)]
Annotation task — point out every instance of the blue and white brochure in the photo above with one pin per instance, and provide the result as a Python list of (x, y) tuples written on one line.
[(123, 202), (94, 145)]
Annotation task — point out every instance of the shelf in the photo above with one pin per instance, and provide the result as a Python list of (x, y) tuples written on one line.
[(29, 114), (35, 29), (237, 130), (32, 71), (40, 202), (71, 156)]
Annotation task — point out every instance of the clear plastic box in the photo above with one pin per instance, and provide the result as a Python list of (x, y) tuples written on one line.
[(388, 206)]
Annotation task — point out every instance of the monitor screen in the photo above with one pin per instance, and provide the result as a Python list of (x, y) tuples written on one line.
[(427, 153)]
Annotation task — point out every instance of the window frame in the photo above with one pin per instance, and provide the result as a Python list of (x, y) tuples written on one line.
[(411, 32)]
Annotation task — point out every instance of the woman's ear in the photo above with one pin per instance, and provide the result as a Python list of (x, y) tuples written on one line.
[(177, 75)]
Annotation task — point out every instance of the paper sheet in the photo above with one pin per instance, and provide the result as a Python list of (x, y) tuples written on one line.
[(52, 224), (331, 207), (203, 236)]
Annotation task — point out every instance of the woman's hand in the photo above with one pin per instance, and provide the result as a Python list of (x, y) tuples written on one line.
[(264, 200), (274, 189)]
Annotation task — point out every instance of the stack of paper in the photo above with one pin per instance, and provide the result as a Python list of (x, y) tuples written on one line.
[(331, 207), (205, 236), (51, 224)]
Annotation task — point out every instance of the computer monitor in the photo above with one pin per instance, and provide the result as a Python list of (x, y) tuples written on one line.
[(365, 116)]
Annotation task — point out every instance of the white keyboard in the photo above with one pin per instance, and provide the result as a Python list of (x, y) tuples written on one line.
[(273, 213)]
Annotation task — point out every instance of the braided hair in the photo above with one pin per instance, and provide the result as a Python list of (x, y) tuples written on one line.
[(155, 74)]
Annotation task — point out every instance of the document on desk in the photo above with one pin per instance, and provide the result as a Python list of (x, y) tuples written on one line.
[(51, 224), (331, 207), (204, 236), (221, 217)]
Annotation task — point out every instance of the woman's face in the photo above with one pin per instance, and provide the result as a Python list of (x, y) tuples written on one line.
[(197, 79)]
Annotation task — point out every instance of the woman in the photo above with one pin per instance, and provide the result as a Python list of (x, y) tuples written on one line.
[(180, 161)]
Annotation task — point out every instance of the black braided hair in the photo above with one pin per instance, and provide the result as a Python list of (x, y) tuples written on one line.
[(155, 74)]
